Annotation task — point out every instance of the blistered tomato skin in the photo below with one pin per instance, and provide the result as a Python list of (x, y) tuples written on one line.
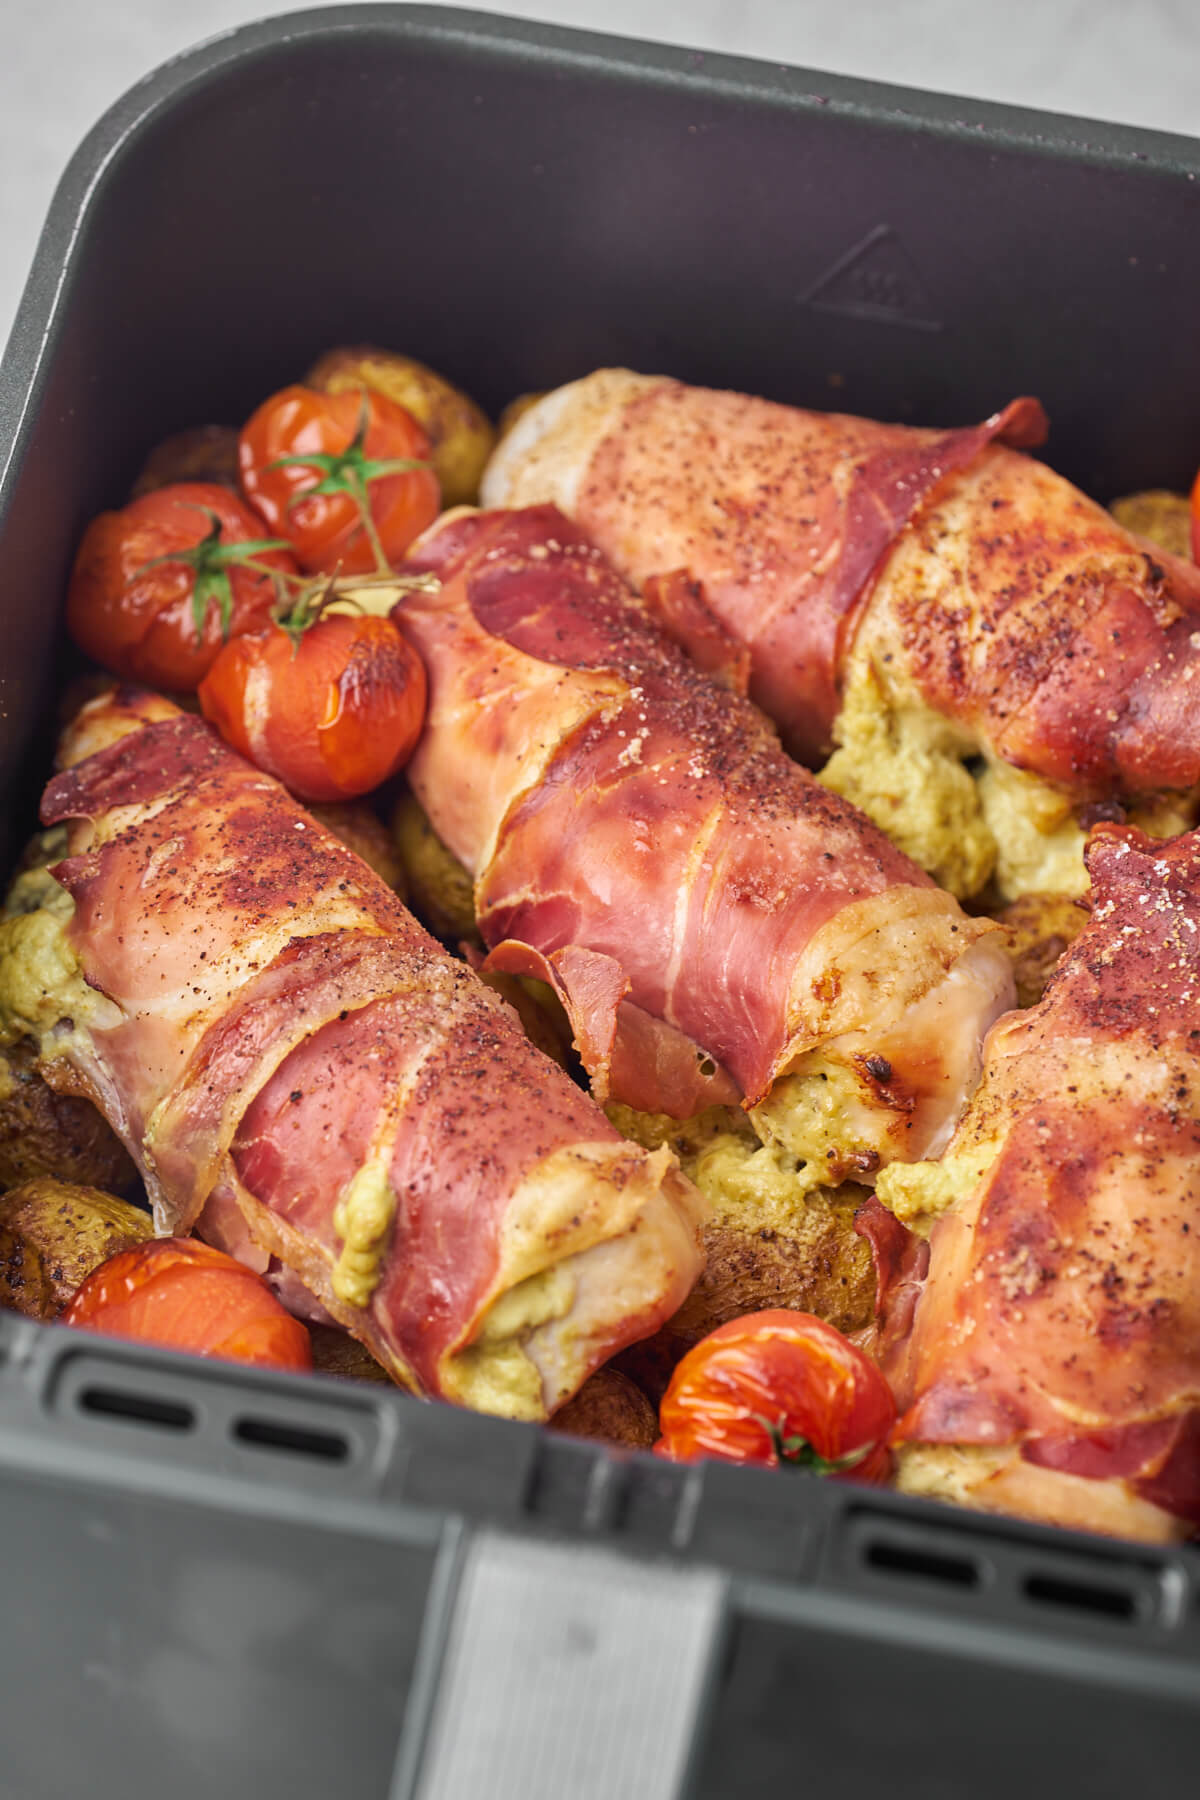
[(331, 711), (183, 1295), (132, 608), (327, 530), (780, 1387)]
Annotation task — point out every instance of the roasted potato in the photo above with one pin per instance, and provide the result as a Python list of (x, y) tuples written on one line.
[(47, 1134), (1159, 515), (822, 1267), (441, 893), (460, 433), (611, 1407), (44, 1133), (542, 1018), (440, 890), (335, 1352), (1039, 928), (209, 453), (767, 1243), (516, 409), (53, 1234), (359, 829)]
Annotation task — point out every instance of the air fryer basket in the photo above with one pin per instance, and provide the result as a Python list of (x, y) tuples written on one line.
[(225, 1581)]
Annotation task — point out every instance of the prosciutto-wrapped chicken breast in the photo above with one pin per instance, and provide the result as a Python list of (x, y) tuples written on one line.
[(998, 661), (1052, 1365), (294, 1064), (719, 926)]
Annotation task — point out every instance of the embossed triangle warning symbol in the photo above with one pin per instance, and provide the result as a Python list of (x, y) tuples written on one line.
[(876, 279)]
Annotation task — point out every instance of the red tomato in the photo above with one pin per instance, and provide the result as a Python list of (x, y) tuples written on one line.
[(330, 711), (1196, 520), (779, 1387), (157, 587), (322, 470), (182, 1294)]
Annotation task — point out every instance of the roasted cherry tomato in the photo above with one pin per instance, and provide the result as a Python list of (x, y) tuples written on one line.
[(1196, 519), (182, 1294), (779, 1387), (345, 477), (331, 710), (158, 587)]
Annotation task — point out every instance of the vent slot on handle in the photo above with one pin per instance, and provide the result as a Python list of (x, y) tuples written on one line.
[(151, 1410), (895, 1557), (294, 1440), (1010, 1577), (1099, 1599)]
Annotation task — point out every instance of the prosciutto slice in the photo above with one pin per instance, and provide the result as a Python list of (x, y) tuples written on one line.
[(782, 516), (295, 1065), (1052, 1368), (885, 578), (718, 924)]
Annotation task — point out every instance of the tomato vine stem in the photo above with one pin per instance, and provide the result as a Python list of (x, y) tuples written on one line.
[(797, 1453), (210, 562), (350, 471)]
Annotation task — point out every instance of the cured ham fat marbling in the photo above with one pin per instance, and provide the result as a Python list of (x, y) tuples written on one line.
[(920, 599), (295, 1065), (1051, 1366), (718, 924)]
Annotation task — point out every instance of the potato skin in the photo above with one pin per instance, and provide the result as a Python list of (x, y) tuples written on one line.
[(335, 1352), (43, 1133), (828, 1271), (207, 453), (1039, 928), (53, 1234), (767, 1242), (441, 892), (460, 432), (611, 1407)]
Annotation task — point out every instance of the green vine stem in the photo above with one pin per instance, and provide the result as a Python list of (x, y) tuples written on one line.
[(797, 1453), (351, 471)]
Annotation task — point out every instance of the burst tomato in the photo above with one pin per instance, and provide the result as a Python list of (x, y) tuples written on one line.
[(779, 1387), (345, 477), (158, 587), (182, 1294), (331, 710)]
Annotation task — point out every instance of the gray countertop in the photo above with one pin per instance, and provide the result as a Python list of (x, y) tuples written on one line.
[(66, 60)]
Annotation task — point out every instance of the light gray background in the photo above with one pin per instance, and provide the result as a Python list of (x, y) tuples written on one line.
[(1136, 61)]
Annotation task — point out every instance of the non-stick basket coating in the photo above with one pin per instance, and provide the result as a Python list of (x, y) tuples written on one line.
[(220, 1582)]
